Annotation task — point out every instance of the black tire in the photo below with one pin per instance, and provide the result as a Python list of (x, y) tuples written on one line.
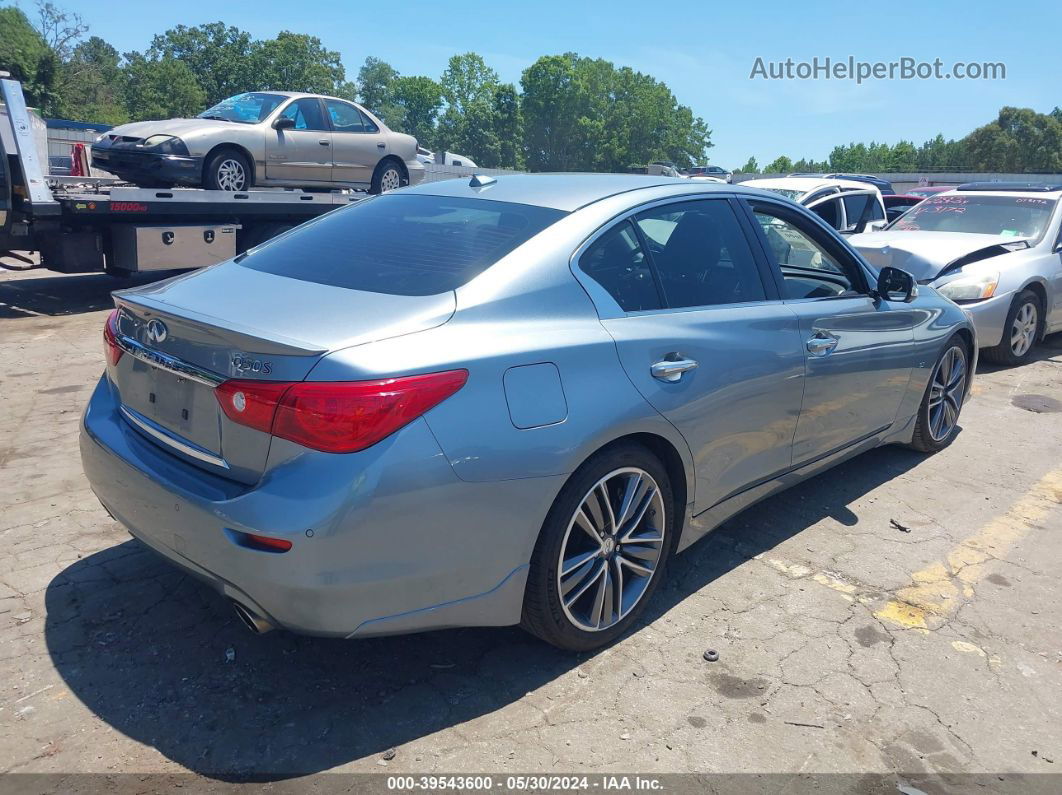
[(931, 434), (228, 169), (1004, 353), (383, 177), (544, 614)]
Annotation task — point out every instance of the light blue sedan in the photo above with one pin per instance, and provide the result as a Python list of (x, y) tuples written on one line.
[(504, 401)]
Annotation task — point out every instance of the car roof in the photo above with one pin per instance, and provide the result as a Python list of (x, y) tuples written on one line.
[(567, 192), (804, 184)]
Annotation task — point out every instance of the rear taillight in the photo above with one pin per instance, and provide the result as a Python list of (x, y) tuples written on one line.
[(336, 417), (111, 351)]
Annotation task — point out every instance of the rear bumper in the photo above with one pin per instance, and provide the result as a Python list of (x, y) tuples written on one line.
[(416, 171), (385, 541), (134, 166)]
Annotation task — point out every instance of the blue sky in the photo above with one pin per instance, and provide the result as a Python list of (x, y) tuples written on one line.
[(703, 50)]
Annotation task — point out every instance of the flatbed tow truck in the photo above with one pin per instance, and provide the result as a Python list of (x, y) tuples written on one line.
[(84, 224)]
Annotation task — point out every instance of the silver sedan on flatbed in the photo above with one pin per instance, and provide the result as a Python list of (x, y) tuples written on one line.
[(504, 401), (264, 138)]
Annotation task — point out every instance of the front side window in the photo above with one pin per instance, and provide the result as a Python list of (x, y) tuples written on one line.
[(808, 269), (1010, 216), (402, 244), (307, 114), (249, 108), (618, 263), (701, 254), (855, 206)]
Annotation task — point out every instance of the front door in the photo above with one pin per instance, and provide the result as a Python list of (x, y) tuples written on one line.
[(301, 154), (357, 143), (858, 348), (704, 339)]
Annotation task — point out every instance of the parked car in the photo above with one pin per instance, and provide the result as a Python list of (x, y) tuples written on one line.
[(882, 185), (897, 204), (503, 401), (263, 138), (995, 248), (925, 191), (846, 206), (718, 172)]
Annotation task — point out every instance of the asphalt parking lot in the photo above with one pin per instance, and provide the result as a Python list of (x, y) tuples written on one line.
[(898, 614)]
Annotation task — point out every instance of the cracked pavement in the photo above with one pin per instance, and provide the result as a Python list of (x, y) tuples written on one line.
[(897, 614)]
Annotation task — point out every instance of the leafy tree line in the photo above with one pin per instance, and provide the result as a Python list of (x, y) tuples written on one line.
[(569, 113), (1019, 140)]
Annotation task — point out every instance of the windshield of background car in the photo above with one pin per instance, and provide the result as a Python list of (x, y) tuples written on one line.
[(249, 108), (1011, 216), (402, 244)]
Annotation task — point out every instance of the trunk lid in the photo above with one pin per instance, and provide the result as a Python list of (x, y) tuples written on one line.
[(184, 336)]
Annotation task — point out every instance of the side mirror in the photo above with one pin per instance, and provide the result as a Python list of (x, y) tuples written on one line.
[(284, 123), (896, 285)]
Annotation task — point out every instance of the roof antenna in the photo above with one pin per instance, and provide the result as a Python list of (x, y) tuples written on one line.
[(481, 181)]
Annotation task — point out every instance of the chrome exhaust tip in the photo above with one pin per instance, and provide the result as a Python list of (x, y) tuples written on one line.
[(251, 620)]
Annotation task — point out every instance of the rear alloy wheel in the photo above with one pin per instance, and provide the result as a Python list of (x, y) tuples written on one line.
[(1020, 333), (602, 550), (938, 416), (389, 176), (227, 170)]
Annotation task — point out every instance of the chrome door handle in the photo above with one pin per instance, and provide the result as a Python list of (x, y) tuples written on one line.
[(822, 343), (381, 146), (671, 370), (323, 141)]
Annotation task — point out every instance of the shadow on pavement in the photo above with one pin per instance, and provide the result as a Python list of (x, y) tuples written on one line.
[(66, 295), (145, 647)]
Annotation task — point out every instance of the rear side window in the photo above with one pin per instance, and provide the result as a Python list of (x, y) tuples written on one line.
[(855, 205), (617, 262), (402, 244), (701, 254)]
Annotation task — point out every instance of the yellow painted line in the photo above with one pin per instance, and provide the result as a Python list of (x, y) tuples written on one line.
[(937, 590)]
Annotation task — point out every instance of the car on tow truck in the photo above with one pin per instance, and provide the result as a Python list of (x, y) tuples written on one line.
[(264, 138), (995, 248)]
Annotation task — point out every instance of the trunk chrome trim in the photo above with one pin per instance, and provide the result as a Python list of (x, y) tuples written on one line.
[(164, 361), (168, 439)]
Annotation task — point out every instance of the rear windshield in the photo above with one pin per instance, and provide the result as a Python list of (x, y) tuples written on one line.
[(402, 244), (1012, 216)]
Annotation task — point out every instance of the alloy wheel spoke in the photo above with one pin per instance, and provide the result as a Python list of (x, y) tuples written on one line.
[(587, 525), (637, 568), (571, 564), (595, 575), (610, 515), (639, 514), (634, 483), (617, 576)]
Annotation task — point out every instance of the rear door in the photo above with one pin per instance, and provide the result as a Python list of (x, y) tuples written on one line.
[(861, 206), (704, 337), (302, 154), (357, 143), (858, 349)]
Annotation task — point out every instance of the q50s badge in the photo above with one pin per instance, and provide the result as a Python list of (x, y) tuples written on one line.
[(242, 364)]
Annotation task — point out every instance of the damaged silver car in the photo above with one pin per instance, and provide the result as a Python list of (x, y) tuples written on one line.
[(995, 249)]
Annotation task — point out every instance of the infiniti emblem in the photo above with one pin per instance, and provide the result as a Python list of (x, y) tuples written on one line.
[(156, 331)]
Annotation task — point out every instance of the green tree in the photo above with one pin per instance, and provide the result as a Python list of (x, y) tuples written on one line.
[(750, 167), (780, 165), (298, 62), (377, 84), (420, 99), (30, 60), (219, 56), (161, 89), (467, 81), (583, 114), (508, 126), (1020, 139), (92, 85)]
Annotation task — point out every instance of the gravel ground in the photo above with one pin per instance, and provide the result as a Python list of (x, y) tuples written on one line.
[(896, 615)]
